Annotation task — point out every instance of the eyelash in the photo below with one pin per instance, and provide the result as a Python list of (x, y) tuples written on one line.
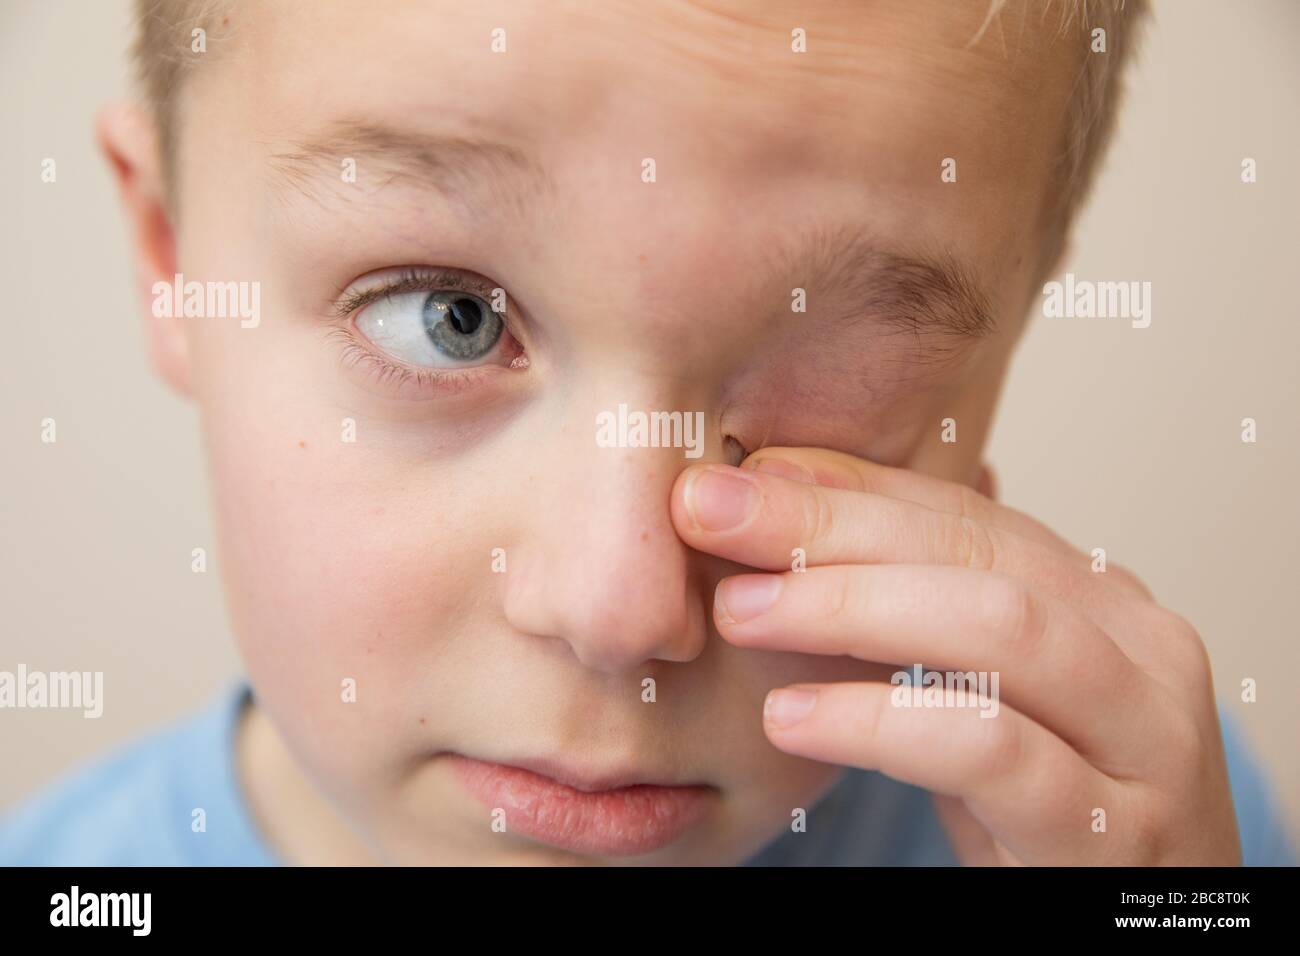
[(389, 373), (414, 280)]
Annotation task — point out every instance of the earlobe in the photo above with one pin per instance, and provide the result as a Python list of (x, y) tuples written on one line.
[(128, 140)]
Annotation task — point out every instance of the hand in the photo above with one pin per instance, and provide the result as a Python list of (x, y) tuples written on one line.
[(1105, 700)]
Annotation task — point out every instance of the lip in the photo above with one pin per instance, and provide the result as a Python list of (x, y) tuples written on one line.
[(601, 814)]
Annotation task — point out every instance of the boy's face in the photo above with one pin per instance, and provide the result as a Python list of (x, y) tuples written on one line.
[(525, 170)]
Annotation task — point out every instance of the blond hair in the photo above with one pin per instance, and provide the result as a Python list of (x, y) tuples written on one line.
[(165, 28)]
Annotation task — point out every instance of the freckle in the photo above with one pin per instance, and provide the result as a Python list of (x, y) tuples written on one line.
[(302, 444), (641, 258), (645, 535), (421, 720)]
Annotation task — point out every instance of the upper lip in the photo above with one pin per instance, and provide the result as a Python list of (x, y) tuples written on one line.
[(589, 780)]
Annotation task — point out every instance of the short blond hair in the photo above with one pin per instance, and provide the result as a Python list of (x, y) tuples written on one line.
[(165, 28), (1094, 105)]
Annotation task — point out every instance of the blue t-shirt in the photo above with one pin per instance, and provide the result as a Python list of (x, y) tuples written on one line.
[(136, 807)]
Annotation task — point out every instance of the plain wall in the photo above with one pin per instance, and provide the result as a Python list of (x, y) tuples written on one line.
[(1122, 438)]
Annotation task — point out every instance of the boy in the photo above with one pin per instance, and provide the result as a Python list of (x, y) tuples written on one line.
[(479, 629)]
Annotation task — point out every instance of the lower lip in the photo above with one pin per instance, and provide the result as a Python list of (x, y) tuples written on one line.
[(621, 822)]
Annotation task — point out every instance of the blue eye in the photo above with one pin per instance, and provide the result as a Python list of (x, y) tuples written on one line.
[(440, 329)]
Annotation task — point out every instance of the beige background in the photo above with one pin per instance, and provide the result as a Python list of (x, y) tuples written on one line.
[(1121, 438)]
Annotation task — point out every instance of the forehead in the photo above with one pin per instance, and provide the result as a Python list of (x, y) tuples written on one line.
[(712, 91)]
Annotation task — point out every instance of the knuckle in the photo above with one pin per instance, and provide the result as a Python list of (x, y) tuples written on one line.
[(839, 599), (869, 717), (972, 544), (1183, 740), (1189, 654), (1004, 745), (1199, 669), (1131, 580), (970, 503), (1012, 612), (1150, 816), (818, 517)]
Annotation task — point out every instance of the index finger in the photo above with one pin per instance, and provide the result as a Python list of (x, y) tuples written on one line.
[(833, 469), (759, 520)]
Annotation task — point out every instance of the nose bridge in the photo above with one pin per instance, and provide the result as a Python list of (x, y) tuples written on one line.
[(601, 567)]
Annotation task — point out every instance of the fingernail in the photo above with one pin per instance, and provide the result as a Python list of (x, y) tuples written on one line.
[(746, 596), (785, 469), (785, 708), (718, 500)]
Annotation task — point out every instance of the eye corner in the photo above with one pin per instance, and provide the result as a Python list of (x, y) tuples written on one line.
[(429, 328)]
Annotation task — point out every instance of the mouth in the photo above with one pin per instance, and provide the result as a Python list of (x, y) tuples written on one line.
[(597, 814)]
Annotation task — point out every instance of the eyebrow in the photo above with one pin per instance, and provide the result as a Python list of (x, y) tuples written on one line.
[(914, 292), (469, 172)]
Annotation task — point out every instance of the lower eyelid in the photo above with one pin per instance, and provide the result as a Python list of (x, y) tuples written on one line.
[(424, 382)]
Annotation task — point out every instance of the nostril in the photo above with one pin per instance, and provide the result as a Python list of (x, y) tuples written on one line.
[(734, 451)]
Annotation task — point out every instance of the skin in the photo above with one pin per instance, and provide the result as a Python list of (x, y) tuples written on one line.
[(370, 560)]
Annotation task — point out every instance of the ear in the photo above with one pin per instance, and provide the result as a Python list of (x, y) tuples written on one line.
[(127, 137)]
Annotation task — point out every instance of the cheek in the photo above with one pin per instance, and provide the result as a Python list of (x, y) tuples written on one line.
[(343, 562)]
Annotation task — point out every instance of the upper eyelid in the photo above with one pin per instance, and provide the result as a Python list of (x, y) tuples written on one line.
[(415, 279)]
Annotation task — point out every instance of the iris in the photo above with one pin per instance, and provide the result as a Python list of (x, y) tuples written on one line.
[(461, 326)]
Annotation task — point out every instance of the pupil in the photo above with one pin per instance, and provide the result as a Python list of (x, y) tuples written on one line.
[(465, 315)]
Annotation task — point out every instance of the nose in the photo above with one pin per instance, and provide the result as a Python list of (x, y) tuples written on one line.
[(601, 567)]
